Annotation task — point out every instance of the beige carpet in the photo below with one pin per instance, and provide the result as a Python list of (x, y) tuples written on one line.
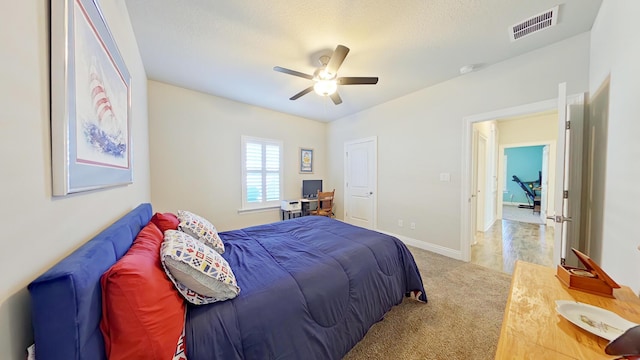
[(461, 320)]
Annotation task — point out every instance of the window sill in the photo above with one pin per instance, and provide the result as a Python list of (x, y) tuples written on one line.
[(258, 209)]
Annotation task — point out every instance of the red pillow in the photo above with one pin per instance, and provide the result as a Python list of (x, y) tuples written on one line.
[(166, 221), (142, 313)]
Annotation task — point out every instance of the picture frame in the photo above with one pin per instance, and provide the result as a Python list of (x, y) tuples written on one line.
[(91, 144), (306, 161)]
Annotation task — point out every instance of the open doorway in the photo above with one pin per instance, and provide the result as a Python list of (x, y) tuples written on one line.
[(524, 148), (524, 170), (566, 197)]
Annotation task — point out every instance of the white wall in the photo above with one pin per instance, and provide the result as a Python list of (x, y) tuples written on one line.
[(420, 136), (195, 153), (615, 50), (39, 230), (537, 127)]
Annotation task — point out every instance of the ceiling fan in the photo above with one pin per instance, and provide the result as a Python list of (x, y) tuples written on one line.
[(325, 77)]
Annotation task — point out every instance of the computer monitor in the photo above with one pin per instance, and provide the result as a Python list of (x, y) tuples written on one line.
[(310, 188)]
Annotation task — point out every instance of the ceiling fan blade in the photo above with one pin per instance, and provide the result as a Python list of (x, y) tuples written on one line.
[(336, 98), (303, 92), (357, 80), (292, 72), (336, 60)]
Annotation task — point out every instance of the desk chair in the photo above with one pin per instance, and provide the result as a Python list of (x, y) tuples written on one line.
[(325, 204)]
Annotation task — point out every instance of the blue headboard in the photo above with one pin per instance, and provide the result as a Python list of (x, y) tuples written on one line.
[(66, 300)]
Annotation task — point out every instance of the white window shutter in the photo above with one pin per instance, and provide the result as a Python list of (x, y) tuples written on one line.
[(261, 172)]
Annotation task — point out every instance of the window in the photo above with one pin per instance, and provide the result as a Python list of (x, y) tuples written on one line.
[(261, 172)]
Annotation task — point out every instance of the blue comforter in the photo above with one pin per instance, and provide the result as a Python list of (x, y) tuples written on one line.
[(310, 289)]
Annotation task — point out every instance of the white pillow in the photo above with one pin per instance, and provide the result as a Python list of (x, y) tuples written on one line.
[(199, 273), (201, 229)]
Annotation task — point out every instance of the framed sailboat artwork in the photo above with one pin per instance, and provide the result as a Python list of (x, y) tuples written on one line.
[(91, 101)]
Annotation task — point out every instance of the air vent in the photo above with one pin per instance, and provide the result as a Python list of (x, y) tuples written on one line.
[(534, 24)]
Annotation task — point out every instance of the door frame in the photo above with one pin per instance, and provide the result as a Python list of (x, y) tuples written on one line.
[(466, 235), (374, 139)]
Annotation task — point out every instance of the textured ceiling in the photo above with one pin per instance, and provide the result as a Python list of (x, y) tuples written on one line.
[(229, 48)]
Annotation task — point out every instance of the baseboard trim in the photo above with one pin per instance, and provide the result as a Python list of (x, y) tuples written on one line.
[(487, 227), (438, 249)]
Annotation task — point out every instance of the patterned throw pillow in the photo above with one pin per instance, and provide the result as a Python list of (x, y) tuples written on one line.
[(199, 273), (200, 229), (180, 352)]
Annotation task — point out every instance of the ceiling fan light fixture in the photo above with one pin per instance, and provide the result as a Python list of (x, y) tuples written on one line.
[(326, 76), (325, 80), (322, 74), (325, 87)]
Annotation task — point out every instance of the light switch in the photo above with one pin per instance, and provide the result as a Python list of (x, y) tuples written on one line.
[(446, 177)]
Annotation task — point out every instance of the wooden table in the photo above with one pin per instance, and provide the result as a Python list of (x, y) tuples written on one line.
[(532, 329)]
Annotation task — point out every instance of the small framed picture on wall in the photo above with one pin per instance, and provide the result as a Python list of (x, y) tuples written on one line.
[(306, 161)]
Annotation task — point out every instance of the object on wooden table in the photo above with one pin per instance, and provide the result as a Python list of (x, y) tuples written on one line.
[(592, 279), (626, 345)]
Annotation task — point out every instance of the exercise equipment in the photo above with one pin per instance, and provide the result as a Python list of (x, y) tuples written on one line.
[(533, 199)]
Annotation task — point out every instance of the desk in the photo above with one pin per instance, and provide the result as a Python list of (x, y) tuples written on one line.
[(305, 205), (532, 329), (290, 214)]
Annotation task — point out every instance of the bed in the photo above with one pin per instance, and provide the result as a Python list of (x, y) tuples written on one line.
[(310, 288)]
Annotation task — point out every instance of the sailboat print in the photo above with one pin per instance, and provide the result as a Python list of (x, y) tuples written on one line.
[(105, 132)]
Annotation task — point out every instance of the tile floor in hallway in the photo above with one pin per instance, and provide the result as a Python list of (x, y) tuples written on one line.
[(507, 241)]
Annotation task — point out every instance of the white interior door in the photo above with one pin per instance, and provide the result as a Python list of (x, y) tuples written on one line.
[(568, 174), (360, 182), (481, 174), (544, 183)]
